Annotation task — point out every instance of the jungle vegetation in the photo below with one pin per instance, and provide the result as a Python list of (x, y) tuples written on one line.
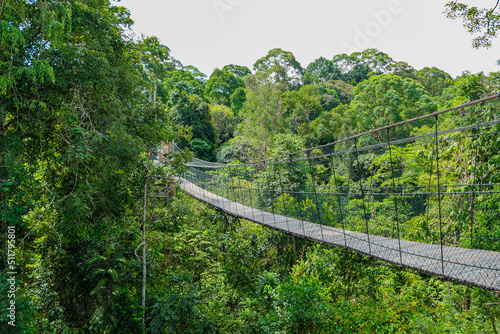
[(83, 109)]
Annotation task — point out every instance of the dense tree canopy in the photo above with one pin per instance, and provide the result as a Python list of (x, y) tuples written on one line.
[(221, 86), (194, 112), (388, 99), (76, 126), (281, 67), (358, 66), (321, 70), (103, 229), (434, 80), (237, 70)]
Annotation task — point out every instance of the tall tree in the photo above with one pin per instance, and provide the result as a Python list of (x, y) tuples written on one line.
[(237, 70), (221, 86), (327, 127), (372, 58), (321, 70), (224, 122), (76, 127), (434, 80), (303, 106), (344, 91), (402, 69), (263, 113), (281, 67), (388, 99), (156, 61), (194, 112), (329, 95)]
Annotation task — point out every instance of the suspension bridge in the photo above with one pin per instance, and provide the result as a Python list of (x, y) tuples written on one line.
[(422, 194)]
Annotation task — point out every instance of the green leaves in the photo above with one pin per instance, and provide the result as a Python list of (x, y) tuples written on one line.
[(281, 67), (388, 99), (476, 20), (224, 122), (221, 86)]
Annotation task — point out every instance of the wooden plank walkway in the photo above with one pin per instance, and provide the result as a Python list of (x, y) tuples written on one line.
[(468, 266)]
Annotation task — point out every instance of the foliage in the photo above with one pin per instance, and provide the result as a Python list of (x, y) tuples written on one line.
[(303, 106), (194, 112), (434, 80), (321, 70), (281, 67), (238, 148), (263, 112), (224, 122), (83, 109), (344, 90), (476, 20), (329, 96), (77, 122), (402, 69), (326, 128), (388, 99), (237, 70), (359, 66), (221, 86)]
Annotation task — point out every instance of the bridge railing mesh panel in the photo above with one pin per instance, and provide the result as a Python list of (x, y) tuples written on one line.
[(423, 193)]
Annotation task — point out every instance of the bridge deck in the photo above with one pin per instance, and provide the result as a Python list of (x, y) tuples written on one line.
[(469, 266)]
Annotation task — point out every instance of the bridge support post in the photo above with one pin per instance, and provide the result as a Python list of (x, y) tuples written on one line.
[(439, 194), (318, 209), (395, 194), (341, 213), (362, 196)]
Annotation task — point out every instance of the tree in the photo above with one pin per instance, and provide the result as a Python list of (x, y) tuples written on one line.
[(344, 91), (221, 86), (238, 148), (358, 66), (263, 112), (434, 80), (177, 76), (156, 61), (281, 67), (376, 60), (278, 176), (224, 122), (194, 112), (300, 303), (327, 127), (329, 95), (321, 70), (388, 99), (303, 106), (238, 99), (357, 74), (199, 76), (402, 69), (476, 20), (76, 129), (237, 70)]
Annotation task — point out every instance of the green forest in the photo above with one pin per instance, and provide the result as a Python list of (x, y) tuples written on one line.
[(97, 238)]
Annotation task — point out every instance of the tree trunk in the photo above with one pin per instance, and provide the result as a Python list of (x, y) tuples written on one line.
[(467, 300), (144, 254), (493, 325), (294, 252), (304, 249)]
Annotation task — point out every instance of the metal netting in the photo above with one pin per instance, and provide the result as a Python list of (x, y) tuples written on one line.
[(424, 193)]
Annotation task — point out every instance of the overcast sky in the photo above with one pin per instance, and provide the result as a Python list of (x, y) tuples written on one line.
[(212, 33)]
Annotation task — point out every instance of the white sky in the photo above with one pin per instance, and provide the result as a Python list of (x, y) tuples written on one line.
[(242, 31)]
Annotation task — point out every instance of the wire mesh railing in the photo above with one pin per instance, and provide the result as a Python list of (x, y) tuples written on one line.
[(422, 193)]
